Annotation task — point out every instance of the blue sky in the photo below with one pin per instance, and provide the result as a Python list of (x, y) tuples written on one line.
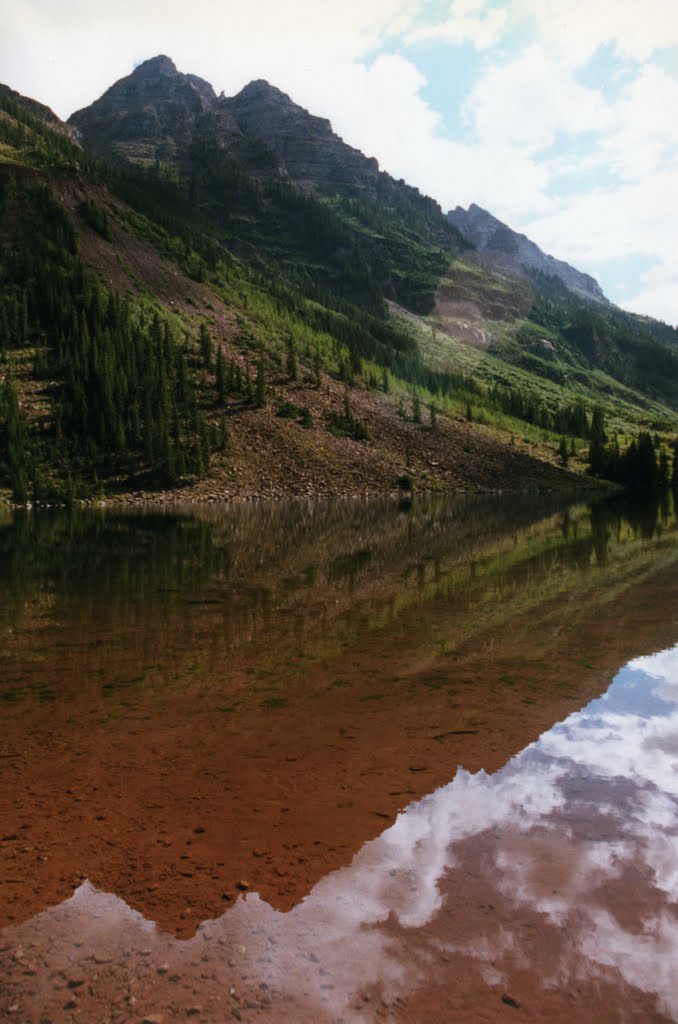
[(559, 116)]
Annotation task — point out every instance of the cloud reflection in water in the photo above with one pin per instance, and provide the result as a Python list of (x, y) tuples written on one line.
[(579, 832)]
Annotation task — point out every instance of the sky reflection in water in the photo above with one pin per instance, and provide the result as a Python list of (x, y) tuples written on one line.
[(578, 831)]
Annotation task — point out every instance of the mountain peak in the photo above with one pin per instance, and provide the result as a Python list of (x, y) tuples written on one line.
[(149, 115), (161, 65), (260, 87), (516, 252)]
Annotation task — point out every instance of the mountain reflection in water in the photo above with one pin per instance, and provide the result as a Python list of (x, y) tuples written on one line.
[(204, 696), (554, 880)]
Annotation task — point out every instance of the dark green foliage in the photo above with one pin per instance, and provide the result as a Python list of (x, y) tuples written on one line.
[(124, 395), (636, 468), (345, 424), (291, 411), (260, 386), (220, 377), (663, 470), (563, 452), (638, 353), (97, 218), (314, 271), (14, 451), (571, 419), (598, 454), (206, 346), (291, 364)]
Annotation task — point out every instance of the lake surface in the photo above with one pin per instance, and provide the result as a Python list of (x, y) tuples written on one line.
[(347, 761)]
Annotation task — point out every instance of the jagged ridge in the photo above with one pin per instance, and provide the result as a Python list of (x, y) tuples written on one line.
[(514, 251)]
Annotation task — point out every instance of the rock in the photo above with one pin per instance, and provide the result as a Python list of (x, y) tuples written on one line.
[(162, 969), (153, 1018), (517, 252), (510, 1001), (242, 886)]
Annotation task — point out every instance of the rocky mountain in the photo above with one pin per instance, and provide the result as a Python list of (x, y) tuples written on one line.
[(158, 114), (152, 115), (37, 109), (310, 153), (243, 304), (507, 248)]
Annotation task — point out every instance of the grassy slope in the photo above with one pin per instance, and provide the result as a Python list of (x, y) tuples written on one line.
[(269, 455)]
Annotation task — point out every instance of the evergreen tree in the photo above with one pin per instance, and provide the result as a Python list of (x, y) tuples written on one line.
[(220, 377), (206, 346), (260, 383), (291, 364)]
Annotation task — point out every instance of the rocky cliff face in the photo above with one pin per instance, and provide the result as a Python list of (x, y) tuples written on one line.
[(153, 114), (517, 252), (311, 154), (158, 113)]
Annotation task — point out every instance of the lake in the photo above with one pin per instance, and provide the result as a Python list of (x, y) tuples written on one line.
[(340, 761)]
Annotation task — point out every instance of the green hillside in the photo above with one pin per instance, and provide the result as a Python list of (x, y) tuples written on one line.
[(154, 320)]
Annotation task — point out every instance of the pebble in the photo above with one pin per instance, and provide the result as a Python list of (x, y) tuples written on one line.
[(153, 1018), (162, 969), (243, 886), (510, 1001)]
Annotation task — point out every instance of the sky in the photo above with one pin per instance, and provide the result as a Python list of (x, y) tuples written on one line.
[(558, 116)]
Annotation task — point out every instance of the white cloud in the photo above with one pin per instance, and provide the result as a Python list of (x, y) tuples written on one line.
[(646, 128), (66, 55), (467, 21), (577, 28), (327, 57), (606, 225), (663, 667), (528, 102)]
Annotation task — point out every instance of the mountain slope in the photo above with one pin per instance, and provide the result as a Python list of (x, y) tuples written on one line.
[(130, 364), (205, 321), (510, 250)]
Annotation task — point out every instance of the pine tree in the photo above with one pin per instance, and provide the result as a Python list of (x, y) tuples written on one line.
[(663, 469), (220, 381), (206, 347), (261, 383), (291, 365)]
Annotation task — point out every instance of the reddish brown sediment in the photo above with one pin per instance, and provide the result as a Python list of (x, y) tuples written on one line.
[(171, 801), (222, 760)]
